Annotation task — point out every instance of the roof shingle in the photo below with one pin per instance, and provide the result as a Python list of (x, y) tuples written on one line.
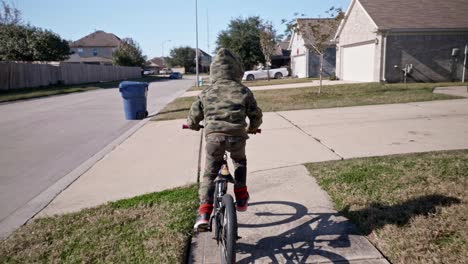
[(418, 14), (97, 39)]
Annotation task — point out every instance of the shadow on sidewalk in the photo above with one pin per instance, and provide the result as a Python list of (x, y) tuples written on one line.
[(377, 215), (312, 237), (326, 236)]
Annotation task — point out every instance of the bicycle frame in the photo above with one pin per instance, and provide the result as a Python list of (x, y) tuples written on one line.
[(221, 184)]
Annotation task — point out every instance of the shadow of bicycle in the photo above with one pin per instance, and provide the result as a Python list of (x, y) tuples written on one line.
[(299, 236), (311, 239)]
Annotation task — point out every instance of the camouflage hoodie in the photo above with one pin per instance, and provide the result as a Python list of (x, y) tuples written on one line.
[(226, 103)]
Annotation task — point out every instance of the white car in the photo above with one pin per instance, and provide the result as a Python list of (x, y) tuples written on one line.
[(262, 73), (165, 71)]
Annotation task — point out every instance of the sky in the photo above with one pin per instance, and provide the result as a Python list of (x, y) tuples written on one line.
[(158, 24)]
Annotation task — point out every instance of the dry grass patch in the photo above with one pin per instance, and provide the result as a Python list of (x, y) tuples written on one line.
[(332, 96), (261, 82), (412, 207), (177, 109), (278, 81), (153, 228)]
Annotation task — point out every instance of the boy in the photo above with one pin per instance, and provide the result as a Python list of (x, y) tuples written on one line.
[(224, 106)]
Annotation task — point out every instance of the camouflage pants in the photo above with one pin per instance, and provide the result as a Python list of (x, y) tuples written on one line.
[(216, 145)]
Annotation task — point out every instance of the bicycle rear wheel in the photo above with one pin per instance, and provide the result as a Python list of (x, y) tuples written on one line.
[(228, 237)]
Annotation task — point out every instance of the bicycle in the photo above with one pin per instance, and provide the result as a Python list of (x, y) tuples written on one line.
[(224, 213)]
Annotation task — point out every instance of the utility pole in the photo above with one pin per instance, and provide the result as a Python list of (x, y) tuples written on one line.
[(196, 50), (164, 60), (208, 30)]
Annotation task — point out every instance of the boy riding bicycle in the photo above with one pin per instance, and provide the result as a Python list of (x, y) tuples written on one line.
[(224, 106)]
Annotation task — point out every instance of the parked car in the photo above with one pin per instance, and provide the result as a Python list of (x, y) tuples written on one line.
[(165, 71), (262, 73), (148, 72), (175, 75)]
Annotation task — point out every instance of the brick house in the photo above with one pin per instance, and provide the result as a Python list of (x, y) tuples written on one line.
[(305, 62), (204, 61), (95, 48), (156, 64), (379, 39)]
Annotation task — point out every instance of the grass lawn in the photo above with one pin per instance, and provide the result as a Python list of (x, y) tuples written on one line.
[(412, 207), (278, 81), (263, 82), (331, 96), (153, 228), (29, 93)]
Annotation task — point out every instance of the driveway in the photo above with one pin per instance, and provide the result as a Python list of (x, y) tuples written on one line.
[(43, 140)]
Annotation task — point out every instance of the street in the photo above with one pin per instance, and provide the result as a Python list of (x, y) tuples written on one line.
[(43, 140)]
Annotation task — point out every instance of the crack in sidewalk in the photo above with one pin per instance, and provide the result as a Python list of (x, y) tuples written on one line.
[(315, 138)]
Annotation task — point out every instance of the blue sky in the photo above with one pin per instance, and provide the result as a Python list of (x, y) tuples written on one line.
[(150, 22)]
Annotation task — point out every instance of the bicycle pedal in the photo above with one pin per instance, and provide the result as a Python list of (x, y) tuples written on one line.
[(238, 237)]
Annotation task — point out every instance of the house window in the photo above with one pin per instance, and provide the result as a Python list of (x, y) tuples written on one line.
[(80, 51), (94, 52)]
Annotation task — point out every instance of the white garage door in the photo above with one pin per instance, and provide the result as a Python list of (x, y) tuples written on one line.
[(298, 66), (358, 63)]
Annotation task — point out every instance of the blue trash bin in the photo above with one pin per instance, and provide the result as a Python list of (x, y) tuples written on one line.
[(134, 99)]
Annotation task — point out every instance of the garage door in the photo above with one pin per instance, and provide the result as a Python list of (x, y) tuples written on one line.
[(298, 66), (358, 63)]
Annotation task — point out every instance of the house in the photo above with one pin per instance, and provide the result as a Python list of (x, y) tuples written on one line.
[(95, 48), (305, 62), (204, 61), (155, 64), (381, 40), (282, 55)]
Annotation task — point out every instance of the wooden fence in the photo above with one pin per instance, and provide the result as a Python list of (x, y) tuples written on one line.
[(17, 75)]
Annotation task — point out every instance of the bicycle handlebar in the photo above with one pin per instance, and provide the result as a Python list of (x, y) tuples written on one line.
[(256, 131)]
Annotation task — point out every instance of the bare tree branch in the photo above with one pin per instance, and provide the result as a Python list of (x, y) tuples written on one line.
[(9, 14)]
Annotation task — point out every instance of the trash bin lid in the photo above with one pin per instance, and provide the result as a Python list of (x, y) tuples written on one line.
[(131, 89), (132, 84)]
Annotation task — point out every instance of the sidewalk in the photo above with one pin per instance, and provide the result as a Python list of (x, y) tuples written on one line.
[(290, 219), (282, 86)]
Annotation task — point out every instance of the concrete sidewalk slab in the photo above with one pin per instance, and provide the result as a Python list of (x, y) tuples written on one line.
[(281, 144), (454, 90), (290, 220), (282, 86), (159, 156), (388, 129)]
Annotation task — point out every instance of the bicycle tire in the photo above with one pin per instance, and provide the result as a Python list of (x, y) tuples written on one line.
[(227, 244)]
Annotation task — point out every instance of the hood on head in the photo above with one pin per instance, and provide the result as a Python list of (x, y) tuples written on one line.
[(226, 66)]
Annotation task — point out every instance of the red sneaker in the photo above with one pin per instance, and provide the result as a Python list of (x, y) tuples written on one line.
[(203, 217), (242, 199)]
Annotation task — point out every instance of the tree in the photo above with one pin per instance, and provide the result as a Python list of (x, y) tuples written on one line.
[(128, 54), (322, 30), (27, 43), (268, 43), (243, 38), (182, 56), (9, 15)]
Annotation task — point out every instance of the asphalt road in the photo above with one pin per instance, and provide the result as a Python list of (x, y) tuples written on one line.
[(43, 140)]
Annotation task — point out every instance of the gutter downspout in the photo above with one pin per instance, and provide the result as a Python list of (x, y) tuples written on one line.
[(307, 61), (384, 57)]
